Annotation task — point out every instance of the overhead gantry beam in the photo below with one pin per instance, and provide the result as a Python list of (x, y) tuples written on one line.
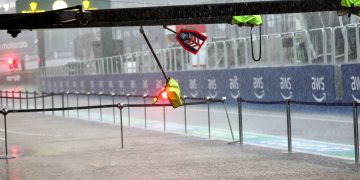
[(167, 15)]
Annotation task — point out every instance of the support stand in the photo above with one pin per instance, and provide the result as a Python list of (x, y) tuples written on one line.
[(288, 120), (228, 119), (121, 106), (35, 102), (145, 121), (241, 133), (88, 102), (185, 119), (101, 117), (77, 104), (4, 112), (128, 102), (356, 132), (208, 108), (113, 101), (67, 103)]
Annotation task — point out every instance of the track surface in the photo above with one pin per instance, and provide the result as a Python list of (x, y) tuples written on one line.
[(50, 147)]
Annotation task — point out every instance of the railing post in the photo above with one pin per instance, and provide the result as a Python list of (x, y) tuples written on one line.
[(144, 98), (1, 97), (113, 101), (208, 113), (185, 119), (164, 116), (35, 102), (6, 98), (27, 99), (121, 106), (67, 102), (43, 101), (52, 102), (4, 112), (101, 119), (288, 120), (77, 104), (20, 100), (88, 102), (63, 103), (128, 102), (356, 132), (13, 99), (223, 99), (241, 133)]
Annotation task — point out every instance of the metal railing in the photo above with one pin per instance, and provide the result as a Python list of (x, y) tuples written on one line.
[(64, 106), (10, 96), (330, 45)]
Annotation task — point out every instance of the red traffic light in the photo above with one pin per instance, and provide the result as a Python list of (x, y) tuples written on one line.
[(10, 61)]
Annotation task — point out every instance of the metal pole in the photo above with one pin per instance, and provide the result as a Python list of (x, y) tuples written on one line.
[(228, 118), (88, 100), (63, 104), (100, 108), (13, 99), (77, 104), (356, 132), (6, 156), (43, 101), (241, 135), (113, 101), (145, 123), (121, 126), (67, 103), (1, 97), (164, 117), (5, 128), (288, 120), (6, 97), (35, 102), (20, 100), (27, 99), (185, 119), (128, 102), (208, 106), (52, 103)]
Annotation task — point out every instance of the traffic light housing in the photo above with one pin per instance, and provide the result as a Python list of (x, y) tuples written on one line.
[(170, 92)]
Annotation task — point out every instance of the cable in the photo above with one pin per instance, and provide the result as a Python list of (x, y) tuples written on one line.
[(252, 47)]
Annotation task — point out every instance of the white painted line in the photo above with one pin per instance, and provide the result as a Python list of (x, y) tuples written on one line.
[(30, 134), (297, 117)]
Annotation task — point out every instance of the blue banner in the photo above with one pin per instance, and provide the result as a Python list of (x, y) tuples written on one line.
[(351, 82), (301, 83)]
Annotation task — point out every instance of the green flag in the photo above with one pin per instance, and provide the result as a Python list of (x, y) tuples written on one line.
[(250, 20), (348, 3)]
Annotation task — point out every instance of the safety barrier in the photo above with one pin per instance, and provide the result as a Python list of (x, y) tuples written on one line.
[(187, 101), (329, 45), (287, 104)]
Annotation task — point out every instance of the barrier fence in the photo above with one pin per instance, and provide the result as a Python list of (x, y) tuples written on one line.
[(65, 107), (188, 101)]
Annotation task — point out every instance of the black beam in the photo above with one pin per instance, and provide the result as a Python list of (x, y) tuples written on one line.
[(170, 15)]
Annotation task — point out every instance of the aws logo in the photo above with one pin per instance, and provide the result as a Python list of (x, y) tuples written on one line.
[(318, 88), (193, 87), (286, 88), (258, 85), (212, 87), (355, 87), (234, 87)]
